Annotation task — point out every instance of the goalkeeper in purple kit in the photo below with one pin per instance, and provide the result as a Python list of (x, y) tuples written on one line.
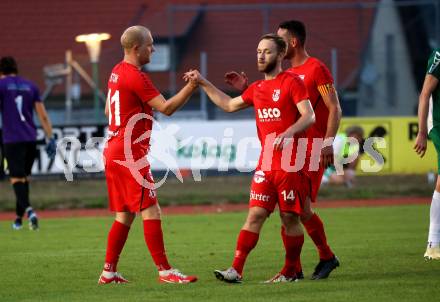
[(18, 100)]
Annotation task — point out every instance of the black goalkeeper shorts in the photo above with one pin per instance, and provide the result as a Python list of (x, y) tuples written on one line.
[(20, 158)]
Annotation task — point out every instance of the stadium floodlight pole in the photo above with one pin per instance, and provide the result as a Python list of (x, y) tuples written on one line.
[(93, 43)]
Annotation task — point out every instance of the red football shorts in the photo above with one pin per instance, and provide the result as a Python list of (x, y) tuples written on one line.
[(124, 192), (315, 179), (287, 189), (315, 176)]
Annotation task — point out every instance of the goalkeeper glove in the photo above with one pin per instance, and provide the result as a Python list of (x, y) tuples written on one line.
[(51, 148)]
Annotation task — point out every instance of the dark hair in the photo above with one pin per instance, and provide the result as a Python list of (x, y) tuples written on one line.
[(281, 44), (8, 65), (296, 28)]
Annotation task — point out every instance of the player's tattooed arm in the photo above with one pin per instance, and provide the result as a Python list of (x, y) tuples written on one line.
[(217, 96), (429, 85)]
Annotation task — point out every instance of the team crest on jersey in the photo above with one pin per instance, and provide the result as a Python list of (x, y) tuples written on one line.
[(276, 95), (302, 76), (259, 177)]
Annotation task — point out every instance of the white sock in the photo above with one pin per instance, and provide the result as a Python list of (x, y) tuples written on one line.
[(434, 221)]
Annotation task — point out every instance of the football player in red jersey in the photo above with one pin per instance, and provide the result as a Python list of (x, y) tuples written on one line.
[(130, 103), (282, 113), (325, 102)]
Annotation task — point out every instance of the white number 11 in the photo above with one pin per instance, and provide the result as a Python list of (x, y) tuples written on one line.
[(114, 99)]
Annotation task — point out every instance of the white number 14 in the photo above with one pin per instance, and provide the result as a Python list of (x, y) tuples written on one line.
[(288, 196)]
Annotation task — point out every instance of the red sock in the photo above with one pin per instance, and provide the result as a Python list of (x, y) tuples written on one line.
[(154, 239), (115, 243), (292, 264), (245, 243), (315, 229)]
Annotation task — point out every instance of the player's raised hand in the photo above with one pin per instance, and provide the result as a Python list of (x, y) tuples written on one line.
[(420, 145), (189, 79), (327, 156), (237, 80)]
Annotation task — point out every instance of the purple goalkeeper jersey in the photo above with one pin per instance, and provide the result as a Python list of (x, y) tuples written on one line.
[(17, 99)]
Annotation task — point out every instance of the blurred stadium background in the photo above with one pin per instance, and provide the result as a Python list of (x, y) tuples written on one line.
[(376, 50)]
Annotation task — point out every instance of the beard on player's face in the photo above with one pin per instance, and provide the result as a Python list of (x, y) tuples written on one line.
[(268, 66), (144, 58), (144, 53)]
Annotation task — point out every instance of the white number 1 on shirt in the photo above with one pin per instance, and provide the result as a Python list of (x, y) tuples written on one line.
[(19, 103), (114, 99)]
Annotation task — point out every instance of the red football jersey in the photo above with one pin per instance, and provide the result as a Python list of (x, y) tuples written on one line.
[(316, 77), (129, 91), (275, 108)]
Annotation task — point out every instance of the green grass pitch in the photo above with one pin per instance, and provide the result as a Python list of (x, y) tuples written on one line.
[(381, 252)]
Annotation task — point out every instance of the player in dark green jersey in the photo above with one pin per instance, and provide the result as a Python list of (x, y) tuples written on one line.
[(429, 124)]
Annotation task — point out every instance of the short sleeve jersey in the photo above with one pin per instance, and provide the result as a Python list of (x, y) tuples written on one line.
[(17, 99), (129, 91), (274, 103), (434, 70), (318, 80)]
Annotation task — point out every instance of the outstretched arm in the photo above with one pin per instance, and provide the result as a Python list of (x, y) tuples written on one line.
[(217, 96), (429, 86), (168, 107)]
